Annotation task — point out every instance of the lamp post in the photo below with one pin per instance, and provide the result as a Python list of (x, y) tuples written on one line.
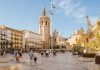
[(27, 40), (51, 11), (2, 39)]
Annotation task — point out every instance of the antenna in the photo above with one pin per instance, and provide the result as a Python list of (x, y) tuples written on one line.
[(51, 11)]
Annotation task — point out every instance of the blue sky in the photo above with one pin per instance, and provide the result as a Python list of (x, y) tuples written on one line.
[(69, 15)]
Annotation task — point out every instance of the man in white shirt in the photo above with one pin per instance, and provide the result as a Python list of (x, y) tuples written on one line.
[(31, 55)]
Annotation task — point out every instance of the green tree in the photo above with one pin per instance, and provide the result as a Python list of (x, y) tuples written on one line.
[(81, 40), (94, 43)]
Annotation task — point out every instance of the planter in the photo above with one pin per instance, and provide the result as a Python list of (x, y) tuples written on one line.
[(97, 59), (88, 55)]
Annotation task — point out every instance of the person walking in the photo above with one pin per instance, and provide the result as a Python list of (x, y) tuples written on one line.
[(17, 57), (54, 53), (31, 55), (47, 53), (42, 54), (35, 56)]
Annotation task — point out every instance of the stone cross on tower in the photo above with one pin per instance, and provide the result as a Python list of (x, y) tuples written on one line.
[(44, 12)]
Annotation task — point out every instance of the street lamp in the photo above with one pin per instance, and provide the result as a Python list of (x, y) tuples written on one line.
[(26, 39), (51, 11), (2, 37), (3, 42)]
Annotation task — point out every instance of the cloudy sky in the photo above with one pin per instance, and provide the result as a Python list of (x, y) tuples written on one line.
[(69, 15)]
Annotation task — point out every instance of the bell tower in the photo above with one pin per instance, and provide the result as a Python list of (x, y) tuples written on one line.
[(44, 28)]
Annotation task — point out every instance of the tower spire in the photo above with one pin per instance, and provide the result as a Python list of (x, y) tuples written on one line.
[(44, 12)]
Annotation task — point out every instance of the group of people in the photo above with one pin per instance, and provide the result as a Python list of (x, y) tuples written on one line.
[(32, 55), (47, 52)]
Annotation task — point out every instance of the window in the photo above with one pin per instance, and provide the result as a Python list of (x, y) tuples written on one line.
[(46, 23), (55, 39), (42, 23)]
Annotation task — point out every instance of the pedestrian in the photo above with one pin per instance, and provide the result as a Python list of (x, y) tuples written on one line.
[(35, 56), (17, 57), (31, 55), (54, 52), (20, 53), (47, 53), (2, 53), (42, 54)]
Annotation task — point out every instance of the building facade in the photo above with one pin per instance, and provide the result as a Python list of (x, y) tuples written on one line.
[(55, 36), (3, 37), (44, 28), (32, 40), (16, 38), (10, 38), (72, 39)]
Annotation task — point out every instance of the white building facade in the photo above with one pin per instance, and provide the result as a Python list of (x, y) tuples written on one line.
[(72, 39), (31, 40), (5, 37)]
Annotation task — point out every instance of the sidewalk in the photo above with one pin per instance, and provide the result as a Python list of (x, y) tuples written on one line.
[(12, 67), (6, 58), (59, 62), (8, 62)]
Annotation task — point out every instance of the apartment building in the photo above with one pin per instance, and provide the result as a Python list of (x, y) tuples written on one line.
[(31, 40), (10, 38)]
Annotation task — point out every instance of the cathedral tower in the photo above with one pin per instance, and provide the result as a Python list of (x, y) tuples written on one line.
[(44, 28)]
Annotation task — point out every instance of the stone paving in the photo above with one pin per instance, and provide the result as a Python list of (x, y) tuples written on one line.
[(60, 62)]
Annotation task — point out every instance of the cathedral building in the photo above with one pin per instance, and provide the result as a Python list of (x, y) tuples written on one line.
[(44, 28), (27, 39), (55, 38)]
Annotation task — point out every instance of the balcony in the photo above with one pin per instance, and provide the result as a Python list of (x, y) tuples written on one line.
[(3, 38), (3, 34)]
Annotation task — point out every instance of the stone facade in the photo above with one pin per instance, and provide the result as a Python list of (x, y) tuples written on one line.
[(44, 28), (10, 38), (55, 36), (31, 40), (72, 39)]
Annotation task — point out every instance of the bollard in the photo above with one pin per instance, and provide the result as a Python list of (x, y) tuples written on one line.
[(97, 60)]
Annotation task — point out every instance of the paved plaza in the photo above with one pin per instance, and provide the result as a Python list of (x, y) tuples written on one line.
[(60, 62)]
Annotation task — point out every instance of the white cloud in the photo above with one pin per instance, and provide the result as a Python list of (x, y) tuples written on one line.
[(71, 8), (75, 9)]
